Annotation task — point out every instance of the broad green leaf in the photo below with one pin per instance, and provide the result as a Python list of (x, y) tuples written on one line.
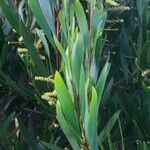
[(66, 103), (66, 4), (35, 7), (63, 23), (106, 94), (83, 103), (99, 19), (66, 129), (77, 59), (72, 11), (82, 22), (96, 52), (86, 113), (102, 80), (92, 123), (64, 54), (48, 13), (61, 50)]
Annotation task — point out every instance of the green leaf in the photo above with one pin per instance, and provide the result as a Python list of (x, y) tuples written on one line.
[(72, 11), (66, 103), (77, 59), (86, 113), (121, 134), (82, 21), (63, 23), (92, 123), (106, 94), (99, 19), (109, 126), (48, 13), (83, 103), (66, 129), (102, 80), (64, 55), (35, 7), (61, 50), (111, 147)]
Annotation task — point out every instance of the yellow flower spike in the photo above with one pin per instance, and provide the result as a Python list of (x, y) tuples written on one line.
[(50, 97), (45, 79), (22, 50), (146, 73), (38, 44), (20, 39)]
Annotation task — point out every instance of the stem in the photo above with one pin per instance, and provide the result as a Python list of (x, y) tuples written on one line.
[(57, 51), (90, 38), (57, 34), (84, 143)]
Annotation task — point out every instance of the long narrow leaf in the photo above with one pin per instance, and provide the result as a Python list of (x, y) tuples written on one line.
[(65, 128), (101, 81), (107, 129), (82, 21), (48, 14), (93, 113), (66, 103), (35, 7)]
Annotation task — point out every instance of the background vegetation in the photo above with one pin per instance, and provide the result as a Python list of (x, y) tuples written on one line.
[(74, 74)]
